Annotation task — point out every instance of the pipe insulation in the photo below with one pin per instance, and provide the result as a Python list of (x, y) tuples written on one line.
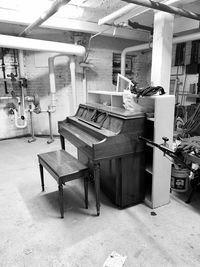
[(40, 45), (47, 14), (52, 80), (165, 8), (137, 48), (73, 82), (116, 15)]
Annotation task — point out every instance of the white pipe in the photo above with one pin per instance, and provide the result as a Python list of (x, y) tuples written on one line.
[(131, 49), (21, 63), (84, 85), (73, 82), (85, 66), (47, 14), (16, 120), (40, 45), (180, 39), (116, 14), (128, 8), (10, 97), (21, 75), (186, 38), (52, 81)]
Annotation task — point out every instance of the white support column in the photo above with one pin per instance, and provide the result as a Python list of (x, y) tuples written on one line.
[(162, 49)]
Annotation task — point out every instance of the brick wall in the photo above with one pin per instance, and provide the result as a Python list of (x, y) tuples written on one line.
[(36, 68)]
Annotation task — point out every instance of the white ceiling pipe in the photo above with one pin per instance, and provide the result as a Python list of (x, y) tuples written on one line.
[(186, 38), (122, 11), (52, 80), (73, 82), (141, 10), (116, 14), (131, 49), (40, 45), (180, 39), (47, 14), (166, 8)]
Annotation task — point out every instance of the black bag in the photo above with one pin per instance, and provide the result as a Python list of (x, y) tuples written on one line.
[(151, 90)]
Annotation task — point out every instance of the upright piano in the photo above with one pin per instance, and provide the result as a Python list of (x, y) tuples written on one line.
[(107, 141)]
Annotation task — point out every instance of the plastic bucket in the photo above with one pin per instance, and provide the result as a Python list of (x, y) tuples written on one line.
[(180, 179)]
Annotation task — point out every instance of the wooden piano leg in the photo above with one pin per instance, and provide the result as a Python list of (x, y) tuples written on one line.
[(97, 186), (62, 142), (60, 190)]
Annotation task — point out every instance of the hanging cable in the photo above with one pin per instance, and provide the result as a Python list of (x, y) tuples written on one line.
[(89, 43)]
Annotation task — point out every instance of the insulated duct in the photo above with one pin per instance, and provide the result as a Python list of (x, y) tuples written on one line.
[(165, 8), (47, 14), (180, 39), (40, 45)]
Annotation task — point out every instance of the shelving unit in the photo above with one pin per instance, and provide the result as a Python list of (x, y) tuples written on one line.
[(158, 168), (109, 98)]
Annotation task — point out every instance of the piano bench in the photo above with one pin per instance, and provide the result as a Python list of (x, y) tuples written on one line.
[(64, 168)]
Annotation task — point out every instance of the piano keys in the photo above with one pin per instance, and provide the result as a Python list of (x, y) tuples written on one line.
[(107, 141)]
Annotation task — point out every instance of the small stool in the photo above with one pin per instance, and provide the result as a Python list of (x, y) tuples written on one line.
[(64, 168)]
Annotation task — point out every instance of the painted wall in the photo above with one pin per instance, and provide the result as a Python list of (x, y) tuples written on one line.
[(99, 78), (36, 67)]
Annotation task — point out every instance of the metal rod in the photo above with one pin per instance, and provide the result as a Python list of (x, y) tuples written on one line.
[(165, 8)]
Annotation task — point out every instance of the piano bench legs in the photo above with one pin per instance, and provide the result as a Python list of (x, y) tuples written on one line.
[(63, 168)]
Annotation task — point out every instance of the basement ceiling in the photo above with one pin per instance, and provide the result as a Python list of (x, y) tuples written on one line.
[(83, 16)]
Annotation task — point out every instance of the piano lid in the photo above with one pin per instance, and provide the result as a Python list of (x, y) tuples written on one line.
[(115, 111)]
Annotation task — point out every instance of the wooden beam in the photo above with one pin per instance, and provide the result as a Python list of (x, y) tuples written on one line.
[(165, 8)]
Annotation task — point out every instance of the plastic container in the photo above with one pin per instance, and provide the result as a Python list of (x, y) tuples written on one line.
[(180, 179)]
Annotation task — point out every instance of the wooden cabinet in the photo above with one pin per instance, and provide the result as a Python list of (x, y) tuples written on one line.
[(157, 167)]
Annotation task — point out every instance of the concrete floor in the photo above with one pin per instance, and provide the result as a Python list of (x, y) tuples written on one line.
[(32, 233)]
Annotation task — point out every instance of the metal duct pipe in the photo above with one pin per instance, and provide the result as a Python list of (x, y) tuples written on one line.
[(21, 75), (165, 8), (40, 45), (180, 39), (185, 38), (128, 8), (52, 81), (47, 14), (73, 82), (116, 14), (135, 48)]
